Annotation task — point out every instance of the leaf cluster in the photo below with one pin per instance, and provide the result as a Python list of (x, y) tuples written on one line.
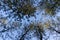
[(23, 7), (50, 6)]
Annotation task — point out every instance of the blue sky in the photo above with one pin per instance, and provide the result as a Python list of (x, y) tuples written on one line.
[(39, 17)]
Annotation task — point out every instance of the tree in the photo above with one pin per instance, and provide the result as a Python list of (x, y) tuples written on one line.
[(50, 6), (24, 7), (20, 7)]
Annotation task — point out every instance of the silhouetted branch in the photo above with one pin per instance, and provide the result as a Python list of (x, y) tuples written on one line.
[(51, 28), (27, 30), (40, 32)]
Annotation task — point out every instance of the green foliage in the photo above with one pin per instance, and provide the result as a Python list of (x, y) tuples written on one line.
[(21, 6), (50, 6), (27, 9), (37, 27), (31, 26), (50, 11)]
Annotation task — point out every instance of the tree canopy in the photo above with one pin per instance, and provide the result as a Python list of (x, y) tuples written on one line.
[(50, 6), (21, 8)]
